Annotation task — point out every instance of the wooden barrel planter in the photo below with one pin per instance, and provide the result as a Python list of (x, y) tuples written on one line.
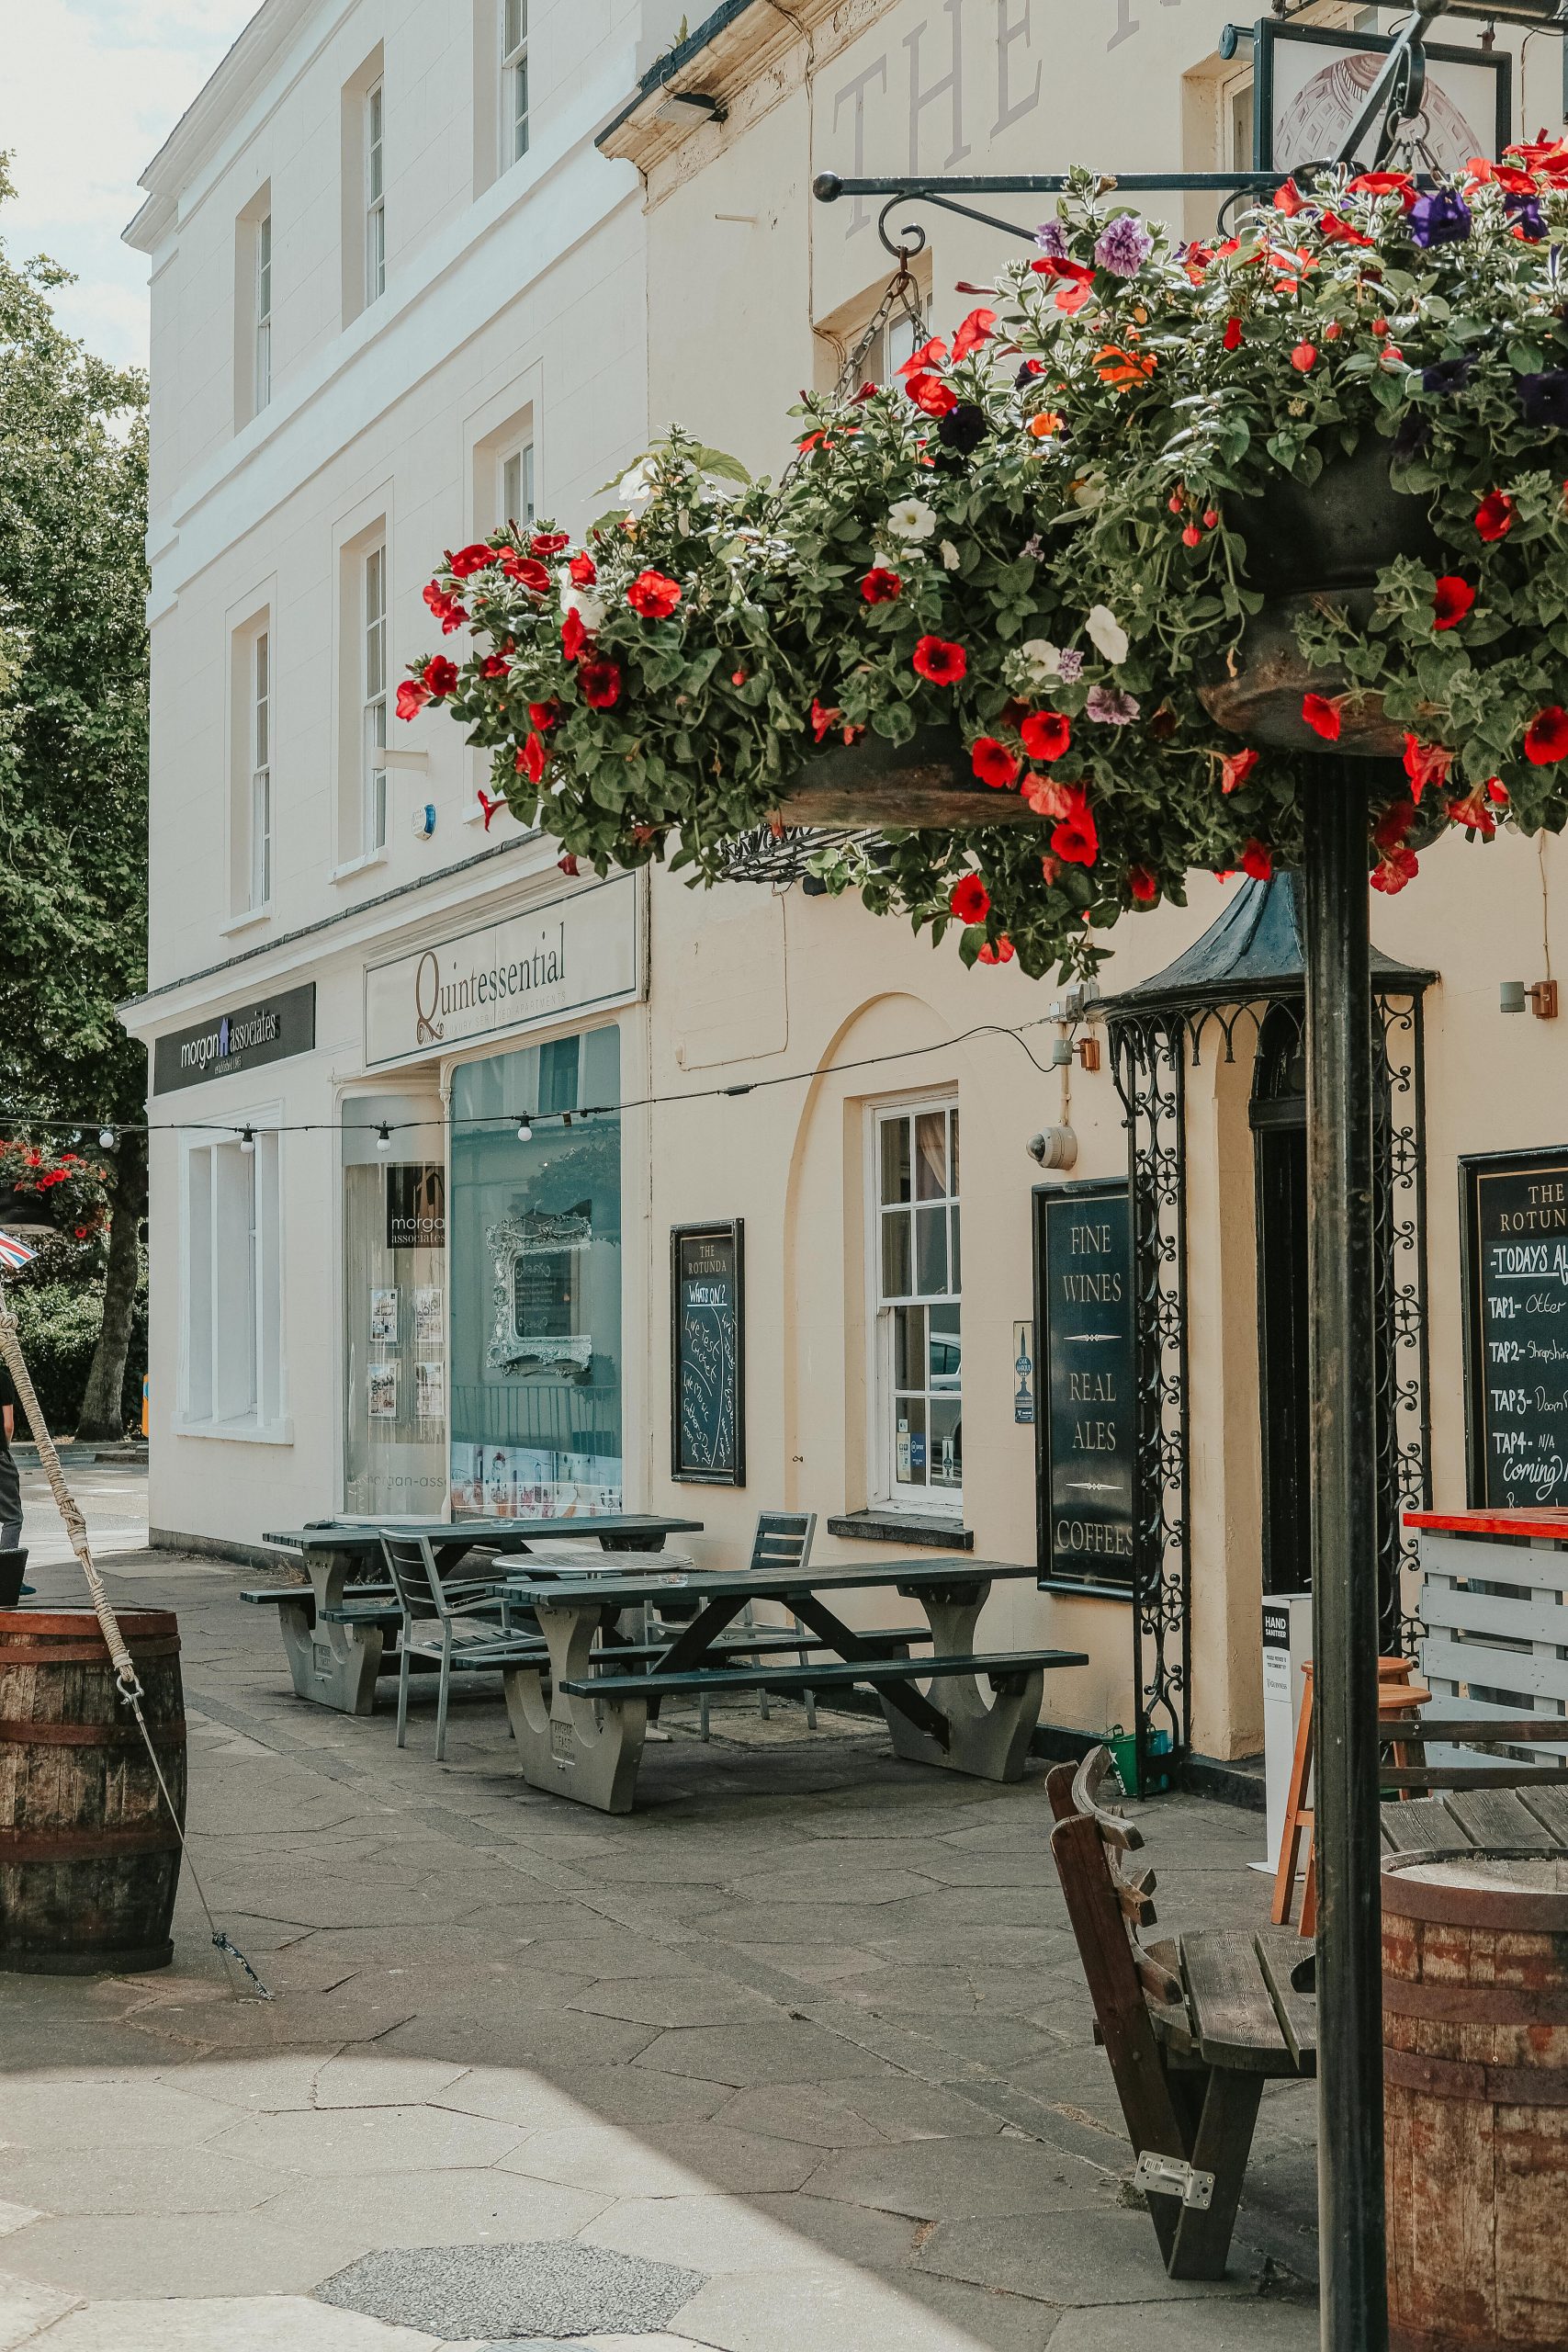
[(89, 1858), (1475, 2081), (1328, 539), (901, 786)]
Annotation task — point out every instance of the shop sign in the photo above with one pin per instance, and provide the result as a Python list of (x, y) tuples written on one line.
[(1516, 1299), (1086, 1426), (416, 1207), (262, 1030), (576, 954)]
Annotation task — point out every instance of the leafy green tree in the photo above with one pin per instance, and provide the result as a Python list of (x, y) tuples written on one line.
[(73, 703)]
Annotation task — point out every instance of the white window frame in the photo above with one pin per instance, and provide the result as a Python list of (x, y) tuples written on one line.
[(513, 82), (514, 495), (260, 795), (888, 1488), (373, 699), (262, 382), (375, 194), (230, 1381)]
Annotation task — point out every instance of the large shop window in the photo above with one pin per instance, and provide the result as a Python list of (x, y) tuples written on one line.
[(394, 1192), (535, 1224), (917, 1370), (234, 1300)]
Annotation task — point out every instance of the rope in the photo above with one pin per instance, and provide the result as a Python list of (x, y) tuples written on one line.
[(130, 1687)]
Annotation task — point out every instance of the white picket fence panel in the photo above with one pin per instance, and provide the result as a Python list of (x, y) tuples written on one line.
[(1497, 1615)]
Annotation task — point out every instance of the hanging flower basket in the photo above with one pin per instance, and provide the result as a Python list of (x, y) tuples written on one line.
[(1073, 608)]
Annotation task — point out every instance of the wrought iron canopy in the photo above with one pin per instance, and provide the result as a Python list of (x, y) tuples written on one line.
[(1253, 950)]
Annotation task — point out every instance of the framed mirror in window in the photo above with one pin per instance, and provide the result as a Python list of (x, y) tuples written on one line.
[(538, 1259)]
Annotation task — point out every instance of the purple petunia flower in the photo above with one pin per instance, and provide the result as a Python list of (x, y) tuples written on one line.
[(1448, 375), (1051, 238), (1069, 665), (1524, 211), (1543, 400), (1111, 707), (1440, 218), (1123, 245)]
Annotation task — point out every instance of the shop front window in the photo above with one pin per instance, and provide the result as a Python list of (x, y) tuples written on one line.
[(395, 1260), (536, 1359), (917, 1374)]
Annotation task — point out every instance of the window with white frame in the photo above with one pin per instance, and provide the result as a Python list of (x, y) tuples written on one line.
[(261, 382), (373, 711), (233, 1288), (917, 1370), (514, 81), (261, 771), (375, 197), (517, 487)]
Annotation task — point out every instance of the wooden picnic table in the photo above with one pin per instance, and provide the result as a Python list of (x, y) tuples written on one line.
[(1526, 1818), (335, 1662), (581, 1716)]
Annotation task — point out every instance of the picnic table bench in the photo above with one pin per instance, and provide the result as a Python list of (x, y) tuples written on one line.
[(580, 1715), (336, 1646), (1193, 2026)]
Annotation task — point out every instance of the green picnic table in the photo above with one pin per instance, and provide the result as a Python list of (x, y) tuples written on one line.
[(580, 1715), (334, 1643)]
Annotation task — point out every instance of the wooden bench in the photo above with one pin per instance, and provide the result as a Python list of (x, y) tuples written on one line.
[(1005, 1670), (1193, 2028)]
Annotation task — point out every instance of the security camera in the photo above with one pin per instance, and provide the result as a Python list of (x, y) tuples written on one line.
[(1057, 1148)]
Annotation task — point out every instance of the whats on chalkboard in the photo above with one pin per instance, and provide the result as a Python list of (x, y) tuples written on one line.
[(1086, 1424), (707, 1384), (1516, 1301)]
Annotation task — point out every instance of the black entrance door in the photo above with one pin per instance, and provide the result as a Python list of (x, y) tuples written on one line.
[(1278, 1113)]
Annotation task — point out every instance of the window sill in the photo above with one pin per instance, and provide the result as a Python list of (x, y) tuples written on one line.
[(237, 1432), (928, 1529), (252, 916), (353, 865)]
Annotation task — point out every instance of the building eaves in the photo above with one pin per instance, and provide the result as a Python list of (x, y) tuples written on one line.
[(230, 86), (718, 62)]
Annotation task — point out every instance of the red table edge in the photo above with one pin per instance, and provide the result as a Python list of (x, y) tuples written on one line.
[(1550, 1525)]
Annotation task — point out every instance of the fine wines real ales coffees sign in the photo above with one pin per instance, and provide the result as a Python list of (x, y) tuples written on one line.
[(1087, 1423), (1516, 1245)]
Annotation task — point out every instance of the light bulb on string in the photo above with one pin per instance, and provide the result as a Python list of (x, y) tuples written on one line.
[(107, 1138), (248, 1140), (383, 1137), (525, 1129)]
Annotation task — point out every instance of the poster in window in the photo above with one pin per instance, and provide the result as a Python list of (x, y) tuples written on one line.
[(430, 1391), (384, 1319), (1516, 1301), (429, 1322), (416, 1206), (1085, 1423), (708, 1354), (381, 1388)]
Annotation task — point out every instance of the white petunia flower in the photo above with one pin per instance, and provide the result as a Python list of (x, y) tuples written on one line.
[(588, 606), (1089, 493), (635, 488), (1043, 660), (912, 519), (1109, 637), (950, 556)]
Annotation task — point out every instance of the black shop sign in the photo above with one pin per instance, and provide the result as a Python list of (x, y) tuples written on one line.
[(1514, 1213), (707, 1306), (1086, 1427), (249, 1036)]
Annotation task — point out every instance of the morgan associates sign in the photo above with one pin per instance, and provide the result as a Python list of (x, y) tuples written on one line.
[(266, 1029)]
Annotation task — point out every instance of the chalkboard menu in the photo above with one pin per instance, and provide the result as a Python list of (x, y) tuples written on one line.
[(1516, 1296), (1086, 1424), (708, 1362)]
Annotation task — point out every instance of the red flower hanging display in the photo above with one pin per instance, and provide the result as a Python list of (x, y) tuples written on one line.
[(881, 586), (412, 695), (993, 763), (1321, 715), (1258, 859), (573, 636), (1426, 763), (545, 544), (582, 570), (1452, 599), (600, 683), (1235, 768), (1045, 734), (530, 759), (996, 951), (654, 596), (446, 608), (440, 677), (930, 395), (1546, 737), (970, 900), (943, 663), (1494, 515), (468, 561), (1077, 838), (525, 572), (1143, 886)]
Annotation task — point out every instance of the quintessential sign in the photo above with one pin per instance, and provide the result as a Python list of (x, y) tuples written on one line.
[(416, 1207), (263, 1029), (708, 1366), (1516, 1297), (573, 955), (1086, 1424)]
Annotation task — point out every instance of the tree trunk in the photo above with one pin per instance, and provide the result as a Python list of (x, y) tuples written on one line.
[(102, 1414)]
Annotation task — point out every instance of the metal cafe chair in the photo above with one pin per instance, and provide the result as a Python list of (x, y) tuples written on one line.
[(443, 1623), (783, 1539)]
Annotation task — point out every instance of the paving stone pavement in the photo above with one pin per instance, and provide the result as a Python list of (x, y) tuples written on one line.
[(796, 2055)]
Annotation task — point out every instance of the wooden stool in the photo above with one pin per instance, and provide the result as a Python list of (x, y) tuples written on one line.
[(1398, 1694)]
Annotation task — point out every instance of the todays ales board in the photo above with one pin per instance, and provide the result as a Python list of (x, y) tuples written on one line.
[(1515, 1293)]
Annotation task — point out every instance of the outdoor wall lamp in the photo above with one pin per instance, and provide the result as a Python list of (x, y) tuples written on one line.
[(669, 105), (1541, 996)]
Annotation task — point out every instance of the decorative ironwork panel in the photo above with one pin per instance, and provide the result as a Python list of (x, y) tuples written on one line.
[(1404, 1410)]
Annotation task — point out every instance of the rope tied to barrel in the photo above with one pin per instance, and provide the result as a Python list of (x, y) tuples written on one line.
[(126, 1680)]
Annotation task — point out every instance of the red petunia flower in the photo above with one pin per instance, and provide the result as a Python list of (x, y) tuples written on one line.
[(545, 544), (1426, 763), (943, 663), (1494, 515), (1452, 599), (1287, 199), (525, 572), (1075, 837), (1143, 886), (490, 808), (1305, 357), (1235, 768), (1335, 232), (583, 570), (544, 715), (930, 355), (1395, 869), (468, 561), (976, 329), (1383, 184), (495, 665), (999, 951), (880, 586), (654, 595), (1546, 737), (446, 608), (970, 900), (1258, 859), (930, 395), (440, 677), (1045, 734), (1475, 812), (1321, 715), (1233, 334), (412, 695), (569, 864), (824, 718), (530, 761), (573, 636), (1077, 273), (994, 763), (599, 682)]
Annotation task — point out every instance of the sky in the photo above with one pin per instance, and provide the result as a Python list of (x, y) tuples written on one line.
[(89, 91)]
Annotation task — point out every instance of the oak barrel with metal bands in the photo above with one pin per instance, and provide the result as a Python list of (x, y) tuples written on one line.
[(89, 1856), (1475, 2087)]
